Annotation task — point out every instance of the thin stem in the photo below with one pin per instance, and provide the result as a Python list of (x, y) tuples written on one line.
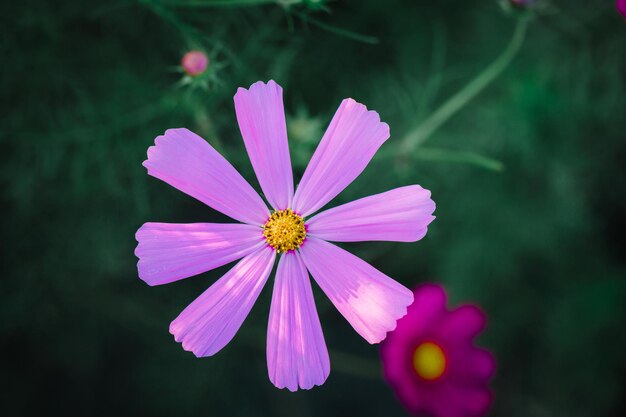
[(461, 157), (372, 40), (455, 103)]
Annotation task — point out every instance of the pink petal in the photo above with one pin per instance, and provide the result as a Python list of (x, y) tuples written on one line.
[(463, 323), (367, 298), (169, 252), (427, 311), (449, 400), (296, 351), (400, 215), (261, 118), (350, 142), (476, 401), (472, 365), (186, 161), (211, 321)]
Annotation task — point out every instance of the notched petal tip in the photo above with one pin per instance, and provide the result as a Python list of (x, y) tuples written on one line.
[(257, 86), (176, 330), (270, 84), (386, 128), (140, 232), (240, 92), (301, 385), (138, 237), (305, 387), (294, 386), (176, 130), (402, 313), (170, 134), (142, 274), (146, 280), (350, 102), (428, 207), (160, 140)]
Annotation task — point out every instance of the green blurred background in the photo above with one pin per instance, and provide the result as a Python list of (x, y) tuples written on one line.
[(528, 178)]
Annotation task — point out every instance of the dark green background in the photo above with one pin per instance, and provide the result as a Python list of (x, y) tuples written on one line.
[(540, 244)]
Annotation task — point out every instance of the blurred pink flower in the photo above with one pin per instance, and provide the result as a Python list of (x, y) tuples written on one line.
[(621, 7), (430, 359), (367, 298), (195, 62)]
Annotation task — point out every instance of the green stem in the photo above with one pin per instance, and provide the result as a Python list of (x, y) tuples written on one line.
[(372, 40), (455, 103), (461, 157)]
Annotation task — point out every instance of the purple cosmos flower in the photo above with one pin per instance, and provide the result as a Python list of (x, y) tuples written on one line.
[(621, 7), (430, 359), (367, 298), (195, 62)]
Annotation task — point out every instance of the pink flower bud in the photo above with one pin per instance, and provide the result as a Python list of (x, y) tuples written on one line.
[(195, 62)]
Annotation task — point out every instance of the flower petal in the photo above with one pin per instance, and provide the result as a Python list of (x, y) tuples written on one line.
[(412, 395), (400, 215), (476, 400), (462, 324), (449, 400), (351, 140), (296, 351), (472, 365), (261, 118), (367, 298), (426, 312), (187, 162), (168, 252), (211, 321)]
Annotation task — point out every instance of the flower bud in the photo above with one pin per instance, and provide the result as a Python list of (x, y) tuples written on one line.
[(195, 63)]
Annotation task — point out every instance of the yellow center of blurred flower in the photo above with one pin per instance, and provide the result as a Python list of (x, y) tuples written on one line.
[(429, 361), (284, 231)]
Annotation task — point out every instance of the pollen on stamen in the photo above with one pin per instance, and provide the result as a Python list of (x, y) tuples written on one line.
[(284, 230)]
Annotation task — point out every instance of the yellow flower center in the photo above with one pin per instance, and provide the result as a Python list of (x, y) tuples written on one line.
[(429, 361), (284, 231)]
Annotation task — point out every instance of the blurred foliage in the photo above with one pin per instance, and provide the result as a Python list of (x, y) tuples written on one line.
[(536, 238)]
